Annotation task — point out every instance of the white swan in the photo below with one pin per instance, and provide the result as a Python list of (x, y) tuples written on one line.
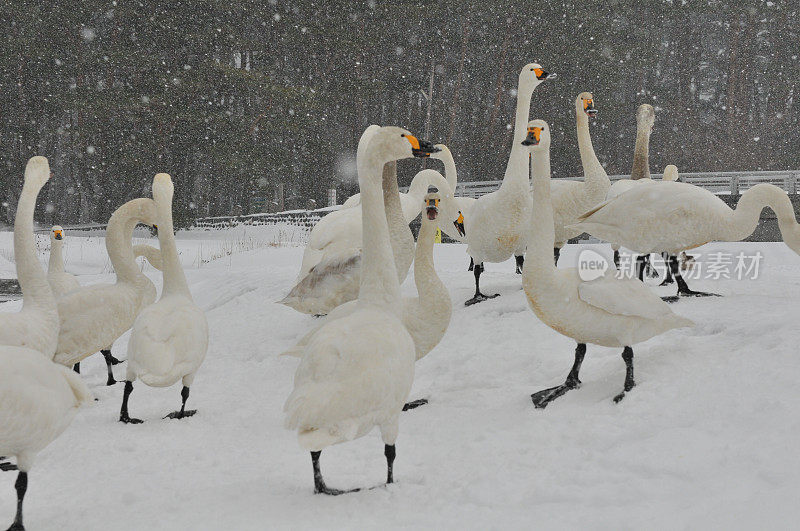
[(356, 372), (463, 204), (607, 311), (93, 317), (60, 281), (674, 216), (36, 325), (573, 198), (38, 400), (334, 280), (496, 228), (169, 339), (426, 316)]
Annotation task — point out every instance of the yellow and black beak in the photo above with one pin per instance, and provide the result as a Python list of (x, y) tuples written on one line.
[(432, 208), (588, 107), (421, 148), (59, 235), (542, 74), (155, 229), (534, 136), (459, 223)]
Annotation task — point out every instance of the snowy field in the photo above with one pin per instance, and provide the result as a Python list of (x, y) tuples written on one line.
[(707, 439)]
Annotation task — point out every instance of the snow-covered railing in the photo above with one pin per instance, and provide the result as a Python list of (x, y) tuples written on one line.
[(722, 182), (299, 218)]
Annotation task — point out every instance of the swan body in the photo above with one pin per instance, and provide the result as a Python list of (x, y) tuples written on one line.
[(497, 226), (426, 316), (38, 400), (674, 216), (169, 339), (93, 317), (36, 325), (607, 311), (356, 371), (60, 281), (573, 198)]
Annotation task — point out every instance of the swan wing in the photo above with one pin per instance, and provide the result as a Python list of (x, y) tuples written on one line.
[(623, 296), (337, 313)]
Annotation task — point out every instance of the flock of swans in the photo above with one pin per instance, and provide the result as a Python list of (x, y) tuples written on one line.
[(356, 367), (62, 323)]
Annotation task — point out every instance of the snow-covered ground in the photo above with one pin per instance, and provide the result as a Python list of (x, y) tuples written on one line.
[(707, 439)]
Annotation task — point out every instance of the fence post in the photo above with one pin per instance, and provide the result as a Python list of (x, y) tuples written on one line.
[(734, 185)]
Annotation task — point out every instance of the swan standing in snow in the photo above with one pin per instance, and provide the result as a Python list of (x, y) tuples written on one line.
[(169, 339), (607, 311), (426, 316), (356, 372), (93, 317), (33, 326), (674, 216), (573, 198), (335, 279), (38, 400), (497, 225)]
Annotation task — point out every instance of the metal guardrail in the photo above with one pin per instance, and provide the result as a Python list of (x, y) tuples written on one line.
[(723, 182)]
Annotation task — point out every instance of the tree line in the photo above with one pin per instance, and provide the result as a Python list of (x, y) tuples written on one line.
[(234, 98)]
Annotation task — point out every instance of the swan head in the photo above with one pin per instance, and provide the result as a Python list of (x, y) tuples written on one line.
[(394, 143), (645, 117), (57, 232), (538, 138), (442, 153), (37, 171), (531, 75), (585, 103), (670, 173), (163, 189)]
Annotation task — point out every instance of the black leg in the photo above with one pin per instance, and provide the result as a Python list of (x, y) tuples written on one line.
[(123, 412), (627, 355), (479, 297), (183, 412), (668, 274), (107, 355), (556, 254), (471, 264), (415, 404), (683, 288), (641, 264), (390, 452), (319, 483), (77, 367), (520, 262), (616, 258), (21, 486), (542, 398)]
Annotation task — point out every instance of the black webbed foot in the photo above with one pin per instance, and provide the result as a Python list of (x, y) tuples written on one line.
[(128, 420), (480, 297), (415, 404), (181, 414)]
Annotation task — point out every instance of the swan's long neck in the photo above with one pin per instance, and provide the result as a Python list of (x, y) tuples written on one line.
[(641, 154), (748, 211), (517, 167), (56, 263), (418, 187), (119, 233), (379, 283), (539, 256), (433, 294), (399, 232), (450, 172), (593, 172), (32, 278), (174, 277)]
